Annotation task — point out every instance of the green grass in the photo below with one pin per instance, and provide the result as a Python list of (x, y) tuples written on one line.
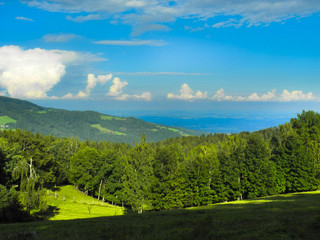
[(103, 117), (42, 112), (70, 203), (105, 130), (5, 120), (173, 129), (283, 217)]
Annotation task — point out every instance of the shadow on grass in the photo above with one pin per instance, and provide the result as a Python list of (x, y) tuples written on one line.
[(279, 217), (50, 212)]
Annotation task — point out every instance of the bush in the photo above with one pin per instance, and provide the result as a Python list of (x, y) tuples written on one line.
[(10, 208)]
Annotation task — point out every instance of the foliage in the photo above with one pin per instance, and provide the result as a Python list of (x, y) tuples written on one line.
[(172, 174), (31, 193), (10, 208)]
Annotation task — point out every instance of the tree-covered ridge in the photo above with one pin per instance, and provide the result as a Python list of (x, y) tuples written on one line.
[(18, 114), (172, 174)]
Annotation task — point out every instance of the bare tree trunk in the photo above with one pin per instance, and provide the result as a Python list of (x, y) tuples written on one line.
[(99, 190)]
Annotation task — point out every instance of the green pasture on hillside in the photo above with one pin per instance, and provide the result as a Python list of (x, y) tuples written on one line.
[(105, 130), (103, 117), (69, 203), (5, 120), (282, 217)]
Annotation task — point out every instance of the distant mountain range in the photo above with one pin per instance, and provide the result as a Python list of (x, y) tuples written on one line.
[(15, 113)]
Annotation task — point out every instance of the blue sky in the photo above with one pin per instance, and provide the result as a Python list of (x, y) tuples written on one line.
[(139, 55)]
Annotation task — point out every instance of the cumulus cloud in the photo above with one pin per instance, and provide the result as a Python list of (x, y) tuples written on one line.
[(269, 96), (296, 95), (116, 92), (134, 42), (92, 81), (32, 73), (220, 96), (285, 96), (25, 19), (187, 94), (145, 96), (151, 15), (116, 89), (59, 37)]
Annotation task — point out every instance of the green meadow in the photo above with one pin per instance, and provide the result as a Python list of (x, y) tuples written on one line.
[(105, 130), (69, 203), (288, 216), (6, 120)]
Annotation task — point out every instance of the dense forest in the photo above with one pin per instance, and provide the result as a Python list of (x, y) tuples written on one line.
[(172, 174)]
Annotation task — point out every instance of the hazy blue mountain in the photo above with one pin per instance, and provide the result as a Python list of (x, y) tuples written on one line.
[(15, 113)]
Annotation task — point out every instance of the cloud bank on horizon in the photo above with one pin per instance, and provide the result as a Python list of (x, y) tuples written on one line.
[(33, 73), (187, 94)]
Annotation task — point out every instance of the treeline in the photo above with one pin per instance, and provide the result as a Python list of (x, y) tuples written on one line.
[(176, 173)]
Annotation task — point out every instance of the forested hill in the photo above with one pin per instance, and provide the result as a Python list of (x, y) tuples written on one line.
[(15, 113)]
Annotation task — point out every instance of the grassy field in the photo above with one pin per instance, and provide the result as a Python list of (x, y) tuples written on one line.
[(69, 203), (290, 216), (6, 120), (104, 130), (103, 117)]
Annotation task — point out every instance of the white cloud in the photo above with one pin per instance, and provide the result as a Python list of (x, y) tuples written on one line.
[(24, 19), (151, 15), (91, 84), (285, 96), (160, 74), (269, 96), (145, 96), (220, 96), (116, 89), (186, 94), (59, 37), (32, 73), (90, 17), (92, 80), (116, 92), (135, 42), (296, 95)]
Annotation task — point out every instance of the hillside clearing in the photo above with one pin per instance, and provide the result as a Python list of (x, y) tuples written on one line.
[(70, 203)]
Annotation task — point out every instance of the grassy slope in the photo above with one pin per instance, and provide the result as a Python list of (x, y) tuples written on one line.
[(291, 216), (6, 120), (73, 204)]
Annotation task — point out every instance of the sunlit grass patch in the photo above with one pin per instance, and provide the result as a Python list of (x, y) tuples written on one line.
[(104, 117), (73, 204), (105, 130), (6, 120)]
